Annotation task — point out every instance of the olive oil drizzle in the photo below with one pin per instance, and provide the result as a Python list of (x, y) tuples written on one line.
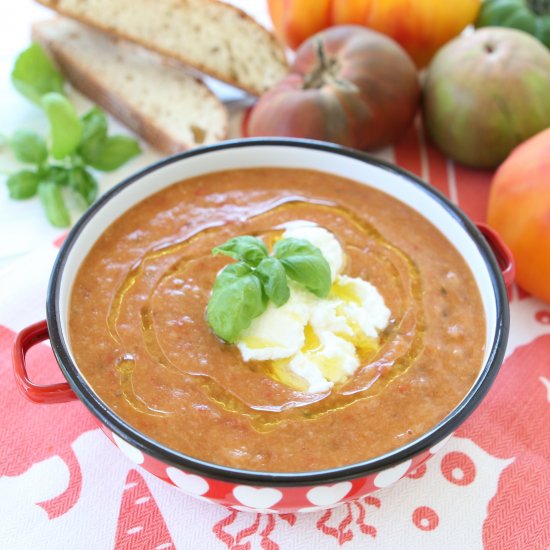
[(175, 247), (377, 372), (161, 251), (125, 367)]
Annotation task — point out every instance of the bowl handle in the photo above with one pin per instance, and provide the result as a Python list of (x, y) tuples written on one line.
[(25, 340), (501, 251)]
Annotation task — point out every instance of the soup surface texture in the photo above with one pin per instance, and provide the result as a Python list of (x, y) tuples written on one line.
[(139, 335)]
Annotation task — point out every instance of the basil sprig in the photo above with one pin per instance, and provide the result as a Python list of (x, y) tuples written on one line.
[(242, 290), (272, 274), (305, 264), (74, 144), (249, 250), (237, 298)]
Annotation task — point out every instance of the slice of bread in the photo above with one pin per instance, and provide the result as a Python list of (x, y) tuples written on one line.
[(214, 37), (166, 106)]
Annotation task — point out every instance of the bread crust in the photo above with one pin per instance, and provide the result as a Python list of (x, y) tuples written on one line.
[(91, 86), (231, 79)]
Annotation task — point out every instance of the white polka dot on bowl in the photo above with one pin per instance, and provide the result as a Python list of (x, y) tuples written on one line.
[(257, 497), (135, 455), (391, 475), (327, 495), (189, 483)]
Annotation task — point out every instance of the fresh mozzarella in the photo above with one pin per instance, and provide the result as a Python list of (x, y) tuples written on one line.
[(366, 306), (318, 338), (278, 333)]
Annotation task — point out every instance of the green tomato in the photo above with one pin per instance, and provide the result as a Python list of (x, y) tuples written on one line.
[(530, 16)]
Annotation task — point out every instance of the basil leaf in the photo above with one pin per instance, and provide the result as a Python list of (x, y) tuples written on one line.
[(112, 153), (55, 173), (273, 276), (94, 133), (35, 75), (305, 264), (65, 126), (246, 248), (84, 184), (23, 185), (95, 125), (29, 147), (51, 198), (237, 298)]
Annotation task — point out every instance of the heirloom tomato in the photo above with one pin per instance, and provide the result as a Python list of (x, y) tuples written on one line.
[(485, 93), (420, 26), (348, 85), (519, 209), (530, 16)]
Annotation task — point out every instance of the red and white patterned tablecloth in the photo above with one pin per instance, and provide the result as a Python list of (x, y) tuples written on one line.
[(63, 485)]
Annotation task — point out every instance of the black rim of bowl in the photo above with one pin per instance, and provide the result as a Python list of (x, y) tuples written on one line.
[(281, 479)]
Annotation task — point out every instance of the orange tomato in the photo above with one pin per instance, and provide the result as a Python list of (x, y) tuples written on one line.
[(420, 26), (294, 22), (519, 209)]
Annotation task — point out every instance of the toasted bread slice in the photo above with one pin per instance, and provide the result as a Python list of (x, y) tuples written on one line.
[(215, 38), (166, 106)]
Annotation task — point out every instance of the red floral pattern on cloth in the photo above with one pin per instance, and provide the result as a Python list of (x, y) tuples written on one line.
[(23, 423), (514, 421), (140, 524), (63, 484)]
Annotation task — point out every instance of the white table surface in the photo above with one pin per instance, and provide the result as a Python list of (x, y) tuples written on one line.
[(23, 225)]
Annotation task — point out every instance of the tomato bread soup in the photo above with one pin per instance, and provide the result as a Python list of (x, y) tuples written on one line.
[(140, 337)]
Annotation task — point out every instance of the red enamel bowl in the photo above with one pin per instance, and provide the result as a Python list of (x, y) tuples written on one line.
[(488, 258)]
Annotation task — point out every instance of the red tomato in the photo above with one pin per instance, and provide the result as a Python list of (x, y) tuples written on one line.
[(420, 26), (519, 209), (348, 85)]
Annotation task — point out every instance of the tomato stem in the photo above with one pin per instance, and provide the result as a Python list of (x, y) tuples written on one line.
[(326, 71), (318, 76)]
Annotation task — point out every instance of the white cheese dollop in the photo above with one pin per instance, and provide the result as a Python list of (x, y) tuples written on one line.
[(318, 339)]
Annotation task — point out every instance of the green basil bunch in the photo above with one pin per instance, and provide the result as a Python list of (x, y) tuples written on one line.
[(75, 143), (242, 290)]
